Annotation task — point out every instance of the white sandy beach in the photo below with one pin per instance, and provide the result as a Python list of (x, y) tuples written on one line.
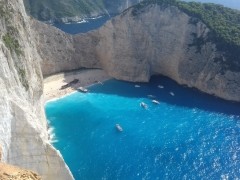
[(86, 77)]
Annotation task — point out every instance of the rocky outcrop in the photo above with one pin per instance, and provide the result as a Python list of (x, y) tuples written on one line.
[(23, 127), (134, 46), (8, 172)]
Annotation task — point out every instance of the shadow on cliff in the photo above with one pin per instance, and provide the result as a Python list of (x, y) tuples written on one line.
[(183, 96)]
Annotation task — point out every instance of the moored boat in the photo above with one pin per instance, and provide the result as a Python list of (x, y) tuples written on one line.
[(151, 96), (119, 128), (142, 104), (155, 101), (82, 89), (160, 86)]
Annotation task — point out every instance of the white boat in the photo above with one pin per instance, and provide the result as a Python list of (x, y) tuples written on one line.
[(99, 82), (155, 101), (161, 87), (119, 128), (151, 96), (82, 89), (171, 93), (82, 21), (142, 104), (137, 86)]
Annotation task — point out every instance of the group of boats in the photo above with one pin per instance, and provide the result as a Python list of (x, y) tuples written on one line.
[(144, 105), (84, 90)]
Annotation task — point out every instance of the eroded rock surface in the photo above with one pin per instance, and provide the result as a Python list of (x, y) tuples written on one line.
[(132, 47), (23, 127), (8, 172)]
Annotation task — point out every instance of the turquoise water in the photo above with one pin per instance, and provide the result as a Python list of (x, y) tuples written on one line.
[(187, 136)]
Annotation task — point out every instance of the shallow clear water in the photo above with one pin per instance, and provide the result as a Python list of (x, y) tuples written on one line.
[(187, 136)]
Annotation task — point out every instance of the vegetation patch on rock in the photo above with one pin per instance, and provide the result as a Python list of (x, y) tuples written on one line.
[(223, 22)]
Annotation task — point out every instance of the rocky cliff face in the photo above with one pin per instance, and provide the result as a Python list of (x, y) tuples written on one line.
[(162, 40), (23, 129), (135, 45)]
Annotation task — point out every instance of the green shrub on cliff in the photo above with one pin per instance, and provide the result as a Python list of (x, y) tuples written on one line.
[(11, 43), (223, 22), (225, 29)]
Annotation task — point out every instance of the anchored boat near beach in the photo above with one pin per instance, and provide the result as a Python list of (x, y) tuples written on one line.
[(82, 89)]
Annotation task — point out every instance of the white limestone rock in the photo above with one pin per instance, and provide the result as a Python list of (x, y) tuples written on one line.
[(23, 129)]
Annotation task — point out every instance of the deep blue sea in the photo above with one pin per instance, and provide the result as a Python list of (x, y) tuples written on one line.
[(190, 135), (90, 24)]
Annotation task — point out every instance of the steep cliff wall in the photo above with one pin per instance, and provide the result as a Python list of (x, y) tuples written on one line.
[(156, 40), (162, 40), (23, 129)]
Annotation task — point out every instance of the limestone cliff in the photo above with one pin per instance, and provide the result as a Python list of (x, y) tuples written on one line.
[(132, 47), (23, 130)]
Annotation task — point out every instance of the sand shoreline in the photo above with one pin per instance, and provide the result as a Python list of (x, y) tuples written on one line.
[(52, 84)]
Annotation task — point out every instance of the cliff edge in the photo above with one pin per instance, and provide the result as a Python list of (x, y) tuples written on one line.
[(23, 127)]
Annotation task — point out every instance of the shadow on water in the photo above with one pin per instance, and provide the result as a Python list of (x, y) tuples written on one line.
[(183, 96)]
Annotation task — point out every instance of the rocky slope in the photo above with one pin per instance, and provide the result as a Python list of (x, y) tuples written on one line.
[(23, 129), (133, 46), (8, 172)]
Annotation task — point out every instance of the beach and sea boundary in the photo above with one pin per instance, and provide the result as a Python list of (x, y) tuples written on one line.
[(85, 77)]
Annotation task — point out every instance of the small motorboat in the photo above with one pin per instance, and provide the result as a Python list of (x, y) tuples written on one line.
[(137, 86), (155, 101), (142, 104), (82, 89), (151, 96), (99, 82), (119, 128), (171, 93), (160, 86)]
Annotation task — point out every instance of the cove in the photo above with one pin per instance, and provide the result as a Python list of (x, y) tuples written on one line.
[(190, 135), (87, 25)]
